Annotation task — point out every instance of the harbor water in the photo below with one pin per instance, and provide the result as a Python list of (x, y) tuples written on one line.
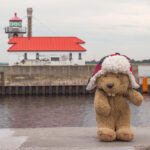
[(59, 111)]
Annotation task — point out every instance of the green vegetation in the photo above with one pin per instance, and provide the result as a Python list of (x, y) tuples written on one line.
[(91, 62), (145, 61), (3, 64)]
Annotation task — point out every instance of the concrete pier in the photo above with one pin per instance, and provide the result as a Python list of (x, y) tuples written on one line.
[(68, 138), (47, 75)]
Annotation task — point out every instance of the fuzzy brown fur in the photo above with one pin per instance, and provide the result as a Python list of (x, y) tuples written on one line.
[(112, 109)]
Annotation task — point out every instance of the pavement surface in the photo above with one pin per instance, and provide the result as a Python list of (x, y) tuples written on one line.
[(68, 138)]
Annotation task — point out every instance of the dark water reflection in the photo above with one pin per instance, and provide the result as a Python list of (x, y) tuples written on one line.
[(56, 111)]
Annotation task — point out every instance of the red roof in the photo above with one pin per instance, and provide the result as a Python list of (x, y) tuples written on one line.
[(15, 18), (46, 44)]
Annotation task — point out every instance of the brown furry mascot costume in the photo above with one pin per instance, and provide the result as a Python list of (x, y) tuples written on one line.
[(115, 84)]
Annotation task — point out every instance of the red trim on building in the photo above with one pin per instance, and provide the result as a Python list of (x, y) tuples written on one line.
[(46, 44)]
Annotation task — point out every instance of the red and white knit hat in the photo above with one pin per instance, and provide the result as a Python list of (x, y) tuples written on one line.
[(114, 63)]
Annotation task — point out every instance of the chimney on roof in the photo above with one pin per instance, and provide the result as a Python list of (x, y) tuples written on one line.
[(29, 15)]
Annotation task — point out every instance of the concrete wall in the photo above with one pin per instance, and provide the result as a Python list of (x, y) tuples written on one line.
[(47, 75)]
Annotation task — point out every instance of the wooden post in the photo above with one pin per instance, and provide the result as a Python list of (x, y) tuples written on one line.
[(33, 90), (73, 90), (57, 91), (70, 90), (84, 90), (43, 90), (16, 90), (3, 90), (60, 90), (46, 90), (50, 90), (63, 90)]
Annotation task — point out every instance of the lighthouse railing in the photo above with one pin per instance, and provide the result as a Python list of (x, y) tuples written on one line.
[(15, 29)]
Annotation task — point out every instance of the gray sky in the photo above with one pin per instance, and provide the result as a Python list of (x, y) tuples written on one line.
[(107, 26)]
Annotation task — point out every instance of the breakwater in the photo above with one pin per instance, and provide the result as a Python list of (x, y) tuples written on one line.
[(46, 80), (47, 75)]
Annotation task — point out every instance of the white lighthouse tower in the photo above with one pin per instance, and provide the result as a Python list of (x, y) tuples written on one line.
[(15, 27)]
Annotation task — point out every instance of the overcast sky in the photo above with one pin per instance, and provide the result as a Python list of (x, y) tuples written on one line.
[(107, 26)]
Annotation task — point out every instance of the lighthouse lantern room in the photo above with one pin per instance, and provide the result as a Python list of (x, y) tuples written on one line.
[(15, 27)]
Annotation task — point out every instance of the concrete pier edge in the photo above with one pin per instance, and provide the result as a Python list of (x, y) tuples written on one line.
[(68, 138)]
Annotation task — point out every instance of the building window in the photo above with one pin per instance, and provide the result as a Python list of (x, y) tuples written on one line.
[(25, 56), (11, 24), (54, 58), (37, 56), (80, 56), (70, 56)]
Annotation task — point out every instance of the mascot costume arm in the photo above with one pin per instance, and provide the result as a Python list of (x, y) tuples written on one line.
[(101, 103), (134, 97)]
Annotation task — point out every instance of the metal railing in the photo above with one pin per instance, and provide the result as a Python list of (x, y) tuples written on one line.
[(15, 29)]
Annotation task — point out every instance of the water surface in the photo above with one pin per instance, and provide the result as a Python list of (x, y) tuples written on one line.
[(59, 111)]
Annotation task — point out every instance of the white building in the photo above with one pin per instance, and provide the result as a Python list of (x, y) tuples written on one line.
[(42, 50), (46, 51)]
